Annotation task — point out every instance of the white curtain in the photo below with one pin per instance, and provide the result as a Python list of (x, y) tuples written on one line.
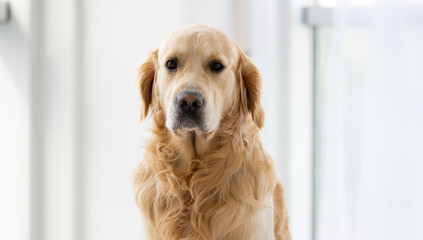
[(370, 123)]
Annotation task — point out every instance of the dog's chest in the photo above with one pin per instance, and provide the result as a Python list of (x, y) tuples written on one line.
[(179, 216)]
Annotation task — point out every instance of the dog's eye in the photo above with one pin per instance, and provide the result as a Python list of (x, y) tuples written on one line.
[(171, 64), (216, 67)]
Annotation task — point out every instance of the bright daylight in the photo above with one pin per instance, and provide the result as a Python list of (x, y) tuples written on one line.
[(211, 120)]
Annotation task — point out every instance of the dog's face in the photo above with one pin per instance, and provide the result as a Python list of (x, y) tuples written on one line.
[(198, 76), (196, 79)]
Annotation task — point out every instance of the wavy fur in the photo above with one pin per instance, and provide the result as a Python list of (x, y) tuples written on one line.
[(217, 195)]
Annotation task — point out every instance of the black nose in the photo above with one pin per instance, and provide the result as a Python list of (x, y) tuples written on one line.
[(188, 101)]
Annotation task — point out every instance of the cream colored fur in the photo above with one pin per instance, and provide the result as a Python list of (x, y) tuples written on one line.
[(214, 184)]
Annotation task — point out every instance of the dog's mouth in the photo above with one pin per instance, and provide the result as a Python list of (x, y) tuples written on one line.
[(189, 122)]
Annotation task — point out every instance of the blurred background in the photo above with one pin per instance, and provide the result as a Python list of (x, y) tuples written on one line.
[(343, 94)]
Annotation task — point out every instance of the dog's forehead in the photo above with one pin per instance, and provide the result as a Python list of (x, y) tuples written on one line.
[(198, 39)]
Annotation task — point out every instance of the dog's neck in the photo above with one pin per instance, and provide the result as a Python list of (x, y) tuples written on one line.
[(194, 145), (201, 146)]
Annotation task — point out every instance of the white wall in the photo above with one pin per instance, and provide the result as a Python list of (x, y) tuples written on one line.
[(15, 123)]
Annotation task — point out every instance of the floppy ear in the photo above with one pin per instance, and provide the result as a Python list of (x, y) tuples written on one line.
[(252, 80), (146, 76)]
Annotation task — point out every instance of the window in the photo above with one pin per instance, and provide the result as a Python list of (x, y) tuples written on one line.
[(368, 115)]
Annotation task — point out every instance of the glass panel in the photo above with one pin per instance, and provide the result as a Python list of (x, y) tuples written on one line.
[(369, 132), (336, 120)]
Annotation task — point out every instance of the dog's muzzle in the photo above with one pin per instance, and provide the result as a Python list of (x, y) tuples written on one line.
[(189, 109)]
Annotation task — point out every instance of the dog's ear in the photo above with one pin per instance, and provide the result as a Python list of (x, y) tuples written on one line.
[(146, 77), (252, 80)]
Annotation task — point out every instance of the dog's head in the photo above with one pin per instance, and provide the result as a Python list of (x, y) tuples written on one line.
[(197, 77)]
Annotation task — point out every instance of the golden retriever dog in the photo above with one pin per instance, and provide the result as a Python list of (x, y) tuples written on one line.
[(205, 174)]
